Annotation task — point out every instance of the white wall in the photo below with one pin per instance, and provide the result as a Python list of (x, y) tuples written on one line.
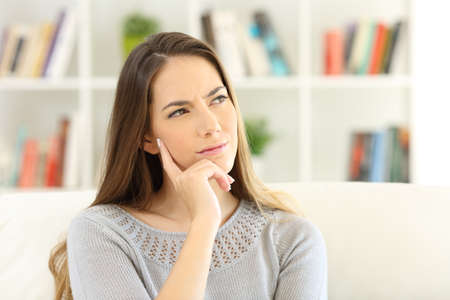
[(431, 50)]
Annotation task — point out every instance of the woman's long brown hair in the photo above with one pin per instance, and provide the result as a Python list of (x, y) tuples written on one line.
[(129, 174)]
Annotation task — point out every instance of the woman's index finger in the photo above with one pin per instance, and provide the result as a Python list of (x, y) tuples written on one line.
[(167, 160)]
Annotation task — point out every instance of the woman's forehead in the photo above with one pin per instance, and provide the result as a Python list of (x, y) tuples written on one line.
[(183, 78)]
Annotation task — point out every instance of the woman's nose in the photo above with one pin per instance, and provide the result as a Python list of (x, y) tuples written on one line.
[(208, 122)]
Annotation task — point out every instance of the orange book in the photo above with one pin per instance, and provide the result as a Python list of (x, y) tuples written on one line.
[(29, 166), (334, 52), (377, 54)]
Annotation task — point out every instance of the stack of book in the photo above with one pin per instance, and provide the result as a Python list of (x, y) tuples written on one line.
[(50, 163), (380, 156), (365, 47), (42, 50), (247, 45)]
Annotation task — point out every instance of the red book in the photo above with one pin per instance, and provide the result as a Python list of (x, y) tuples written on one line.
[(52, 162), (357, 156), (29, 166), (379, 45), (334, 52)]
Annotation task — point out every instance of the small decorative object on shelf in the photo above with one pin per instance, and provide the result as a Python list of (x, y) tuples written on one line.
[(136, 28), (258, 138)]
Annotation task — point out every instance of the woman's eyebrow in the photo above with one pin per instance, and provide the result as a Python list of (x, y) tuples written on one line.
[(183, 102)]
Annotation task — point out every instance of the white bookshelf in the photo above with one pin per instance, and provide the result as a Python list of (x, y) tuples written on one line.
[(311, 144)]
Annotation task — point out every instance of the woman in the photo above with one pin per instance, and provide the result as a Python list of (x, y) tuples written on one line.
[(172, 219)]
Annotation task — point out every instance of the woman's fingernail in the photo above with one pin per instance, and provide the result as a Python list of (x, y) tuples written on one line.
[(230, 178), (158, 142)]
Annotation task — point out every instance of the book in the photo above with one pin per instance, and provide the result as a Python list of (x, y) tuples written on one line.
[(356, 155), (62, 133), (271, 42), (71, 154), (18, 155), (18, 49), (367, 48), (334, 52), (207, 30), (52, 161), (377, 54), (64, 43), (349, 39), (46, 31), (392, 46), (30, 164), (30, 53), (3, 39), (227, 44), (9, 48), (359, 46), (377, 167), (256, 57)]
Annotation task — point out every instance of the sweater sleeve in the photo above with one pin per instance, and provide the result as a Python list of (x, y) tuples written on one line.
[(303, 261), (99, 263)]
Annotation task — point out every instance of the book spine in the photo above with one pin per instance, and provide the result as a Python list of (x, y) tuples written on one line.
[(54, 37), (368, 48), (392, 46), (271, 42), (334, 52), (349, 40)]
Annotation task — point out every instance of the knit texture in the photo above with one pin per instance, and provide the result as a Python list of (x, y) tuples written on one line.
[(113, 255)]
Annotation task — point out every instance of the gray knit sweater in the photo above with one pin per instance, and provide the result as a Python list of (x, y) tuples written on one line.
[(113, 255)]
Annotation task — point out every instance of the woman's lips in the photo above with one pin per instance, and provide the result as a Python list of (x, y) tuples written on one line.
[(214, 150)]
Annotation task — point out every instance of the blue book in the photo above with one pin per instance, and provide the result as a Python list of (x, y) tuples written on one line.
[(378, 156)]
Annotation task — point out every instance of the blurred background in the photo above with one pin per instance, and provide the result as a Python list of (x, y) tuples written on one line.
[(330, 90)]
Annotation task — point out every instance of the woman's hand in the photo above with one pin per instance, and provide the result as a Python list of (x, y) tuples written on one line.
[(193, 185)]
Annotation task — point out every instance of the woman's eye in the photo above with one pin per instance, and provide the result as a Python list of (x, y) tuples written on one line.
[(221, 99), (175, 112)]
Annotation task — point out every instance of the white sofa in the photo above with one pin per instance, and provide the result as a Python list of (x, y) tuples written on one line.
[(384, 240)]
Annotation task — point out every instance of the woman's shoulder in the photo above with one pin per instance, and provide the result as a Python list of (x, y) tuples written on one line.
[(294, 231), (99, 212), (94, 219)]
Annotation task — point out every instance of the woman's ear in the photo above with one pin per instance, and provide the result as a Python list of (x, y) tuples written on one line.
[(149, 145)]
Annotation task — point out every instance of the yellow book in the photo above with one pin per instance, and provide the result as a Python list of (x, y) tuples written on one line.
[(30, 51), (9, 50), (46, 33)]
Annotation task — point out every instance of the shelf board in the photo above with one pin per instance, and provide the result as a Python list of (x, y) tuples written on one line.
[(39, 83), (288, 82), (110, 83), (267, 82), (363, 81), (15, 190)]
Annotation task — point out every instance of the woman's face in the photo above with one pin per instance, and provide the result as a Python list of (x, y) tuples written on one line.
[(190, 111)]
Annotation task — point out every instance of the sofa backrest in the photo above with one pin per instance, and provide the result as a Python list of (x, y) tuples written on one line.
[(384, 240)]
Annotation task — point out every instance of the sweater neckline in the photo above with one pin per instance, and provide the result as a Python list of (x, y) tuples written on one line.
[(236, 213)]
